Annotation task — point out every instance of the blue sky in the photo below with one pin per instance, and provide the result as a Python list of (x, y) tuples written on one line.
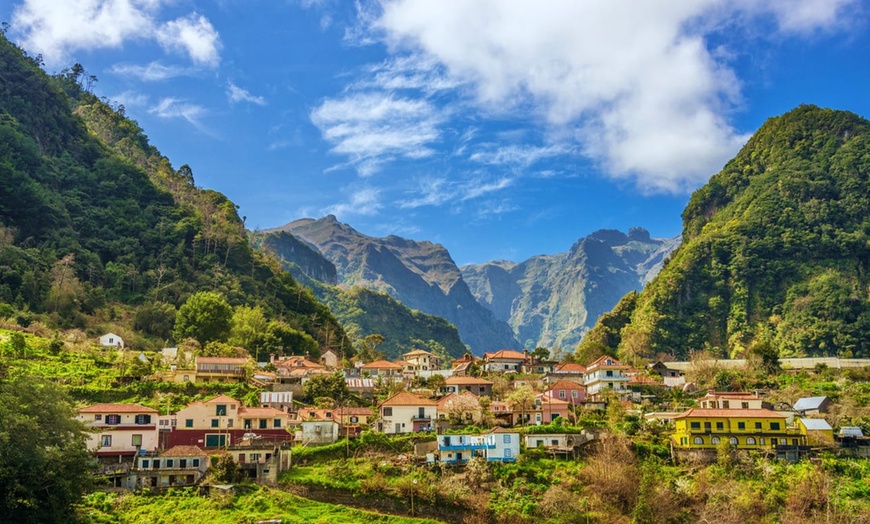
[(501, 129)]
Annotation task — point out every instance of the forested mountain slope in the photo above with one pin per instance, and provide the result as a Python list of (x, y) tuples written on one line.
[(775, 251), (96, 226), (552, 300)]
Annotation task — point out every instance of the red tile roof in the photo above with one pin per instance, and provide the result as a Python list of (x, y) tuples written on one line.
[(116, 408), (382, 364), (404, 398), (261, 412), (353, 411), (570, 367), (566, 384), (730, 413), (184, 451), (467, 380), (602, 362), (223, 398), (505, 353), (443, 401)]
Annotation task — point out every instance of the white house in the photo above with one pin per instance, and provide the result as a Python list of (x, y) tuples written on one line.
[(406, 412), (120, 429), (499, 445), (111, 340), (606, 373), (504, 361), (319, 431)]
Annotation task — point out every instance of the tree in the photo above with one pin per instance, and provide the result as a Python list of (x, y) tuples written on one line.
[(250, 330), (206, 316), (156, 318), (461, 408), (292, 340), (333, 386), (436, 382), (44, 462), (541, 353), (521, 399), (369, 351)]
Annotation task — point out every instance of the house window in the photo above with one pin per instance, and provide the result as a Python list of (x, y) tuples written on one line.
[(215, 422), (188, 423), (113, 419), (263, 423), (609, 373), (143, 419), (220, 410), (758, 425), (137, 440), (507, 439), (388, 412), (329, 414), (761, 441), (726, 404), (714, 440), (98, 416), (182, 463), (229, 423), (774, 425), (255, 457), (170, 463), (354, 420), (741, 425), (698, 440), (106, 441), (196, 463), (213, 440), (276, 423), (733, 441), (145, 464), (574, 394), (155, 464), (720, 426), (186, 378), (750, 441), (695, 425), (744, 405)]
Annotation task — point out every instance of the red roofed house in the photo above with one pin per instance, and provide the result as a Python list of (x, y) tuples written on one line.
[(220, 369), (120, 429), (421, 360), (406, 412), (222, 421), (743, 428), (606, 373), (479, 386), (383, 368), (504, 361), (732, 400)]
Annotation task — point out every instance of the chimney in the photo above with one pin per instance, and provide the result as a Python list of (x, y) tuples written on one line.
[(272, 358)]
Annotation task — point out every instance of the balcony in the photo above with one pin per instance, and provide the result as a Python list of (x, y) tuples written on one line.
[(421, 418)]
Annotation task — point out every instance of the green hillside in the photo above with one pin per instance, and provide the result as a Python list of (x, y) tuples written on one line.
[(775, 250), (98, 230)]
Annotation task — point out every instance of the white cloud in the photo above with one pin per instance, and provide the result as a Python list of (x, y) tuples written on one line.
[(58, 29), (519, 155), (364, 202), (131, 99), (372, 128), (237, 94), (173, 108), (636, 81), (438, 191), (152, 72), (194, 35)]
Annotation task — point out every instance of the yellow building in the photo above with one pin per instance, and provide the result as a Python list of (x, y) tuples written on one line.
[(742, 428)]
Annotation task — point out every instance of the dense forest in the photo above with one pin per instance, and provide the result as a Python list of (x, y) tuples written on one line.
[(775, 252), (98, 231)]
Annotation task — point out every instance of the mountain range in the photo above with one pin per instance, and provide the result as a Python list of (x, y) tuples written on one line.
[(548, 300)]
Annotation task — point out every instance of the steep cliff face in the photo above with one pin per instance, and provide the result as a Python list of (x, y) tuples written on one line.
[(775, 251), (421, 275), (299, 258), (552, 300)]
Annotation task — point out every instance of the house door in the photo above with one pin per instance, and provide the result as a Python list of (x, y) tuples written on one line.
[(459, 456), (398, 428)]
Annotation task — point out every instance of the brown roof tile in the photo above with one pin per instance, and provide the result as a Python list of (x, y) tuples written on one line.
[(116, 408)]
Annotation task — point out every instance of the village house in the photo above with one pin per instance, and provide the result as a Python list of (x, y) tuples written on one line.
[(320, 429), (813, 405), (606, 373), (732, 400), (499, 445), (817, 430), (384, 369), (571, 392), (261, 461), (504, 361), (281, 400), (406, 412), (330, 359), (420, 360), (177, 466), (566, 371), (479, 386), (364, 387), (353, 420), (223, 421), (559, 443), (118, 430), (112, 340), (700, 428)]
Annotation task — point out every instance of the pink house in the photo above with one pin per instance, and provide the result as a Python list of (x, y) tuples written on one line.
[(571, 392)]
